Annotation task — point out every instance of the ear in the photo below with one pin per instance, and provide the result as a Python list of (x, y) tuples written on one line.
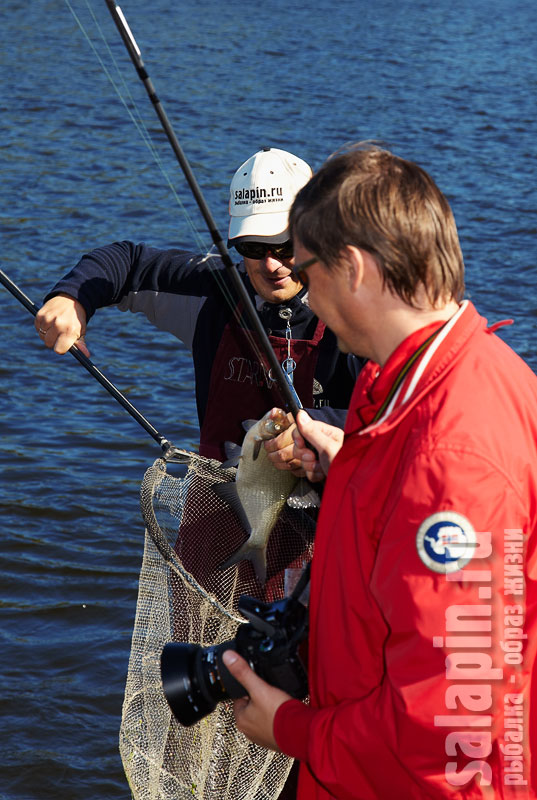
[(355, 265)]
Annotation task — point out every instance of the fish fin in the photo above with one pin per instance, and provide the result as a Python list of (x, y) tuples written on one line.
[(228, 493), (257, 556), (231, 462), (249, 423), (233, 453), (257, 448), (304, 496)]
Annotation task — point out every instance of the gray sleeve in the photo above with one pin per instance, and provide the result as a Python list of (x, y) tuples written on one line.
[(174, 313)]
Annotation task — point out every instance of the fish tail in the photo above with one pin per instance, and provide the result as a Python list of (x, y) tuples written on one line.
[(257, 556)]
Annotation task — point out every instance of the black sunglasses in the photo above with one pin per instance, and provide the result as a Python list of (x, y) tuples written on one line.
[(300, 269), (258, 250)]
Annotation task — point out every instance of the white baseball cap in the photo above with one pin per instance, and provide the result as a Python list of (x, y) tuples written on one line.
[(262, 193)]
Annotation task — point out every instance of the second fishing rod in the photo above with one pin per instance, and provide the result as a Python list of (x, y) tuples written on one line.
[(170, 452)]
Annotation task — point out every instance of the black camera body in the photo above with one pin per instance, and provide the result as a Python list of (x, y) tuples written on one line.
[(195, 679)]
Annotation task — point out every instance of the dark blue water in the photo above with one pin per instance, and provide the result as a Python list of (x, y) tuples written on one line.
[(451, 85)]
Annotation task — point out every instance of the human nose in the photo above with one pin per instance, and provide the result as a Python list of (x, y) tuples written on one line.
[(272, 262)]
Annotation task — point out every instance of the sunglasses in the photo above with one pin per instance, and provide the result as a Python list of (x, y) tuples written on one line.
[(300, 269), (258, 250)]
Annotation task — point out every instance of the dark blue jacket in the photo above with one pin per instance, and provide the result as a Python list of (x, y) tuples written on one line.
[(183, 293)]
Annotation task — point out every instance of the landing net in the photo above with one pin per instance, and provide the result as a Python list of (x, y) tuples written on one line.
[(184, 596)]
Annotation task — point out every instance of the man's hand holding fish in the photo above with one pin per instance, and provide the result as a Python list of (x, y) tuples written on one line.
[(280, 450)]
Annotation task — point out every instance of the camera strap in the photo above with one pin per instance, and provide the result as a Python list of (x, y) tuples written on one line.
[(303, 582)]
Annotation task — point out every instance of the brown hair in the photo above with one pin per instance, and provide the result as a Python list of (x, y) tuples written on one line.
[(372, 199)]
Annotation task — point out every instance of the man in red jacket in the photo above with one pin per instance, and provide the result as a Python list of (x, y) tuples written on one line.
[(423, 609)]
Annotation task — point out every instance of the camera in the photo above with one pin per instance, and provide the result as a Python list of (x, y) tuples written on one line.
[(195, 679)]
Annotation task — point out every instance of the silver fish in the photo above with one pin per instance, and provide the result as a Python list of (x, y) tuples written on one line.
[(260, 491)]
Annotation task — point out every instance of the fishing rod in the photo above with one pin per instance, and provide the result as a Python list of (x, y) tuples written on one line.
[(170, 452), (134, 51)]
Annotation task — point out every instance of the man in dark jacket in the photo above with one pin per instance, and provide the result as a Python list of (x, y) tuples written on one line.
[(190, 296)]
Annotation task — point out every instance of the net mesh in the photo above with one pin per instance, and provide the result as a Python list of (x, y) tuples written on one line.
[(184, 596)]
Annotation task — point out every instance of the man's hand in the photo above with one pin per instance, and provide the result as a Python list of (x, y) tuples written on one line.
[(280, 450), (61, 322), (326, 439), (254, 715)]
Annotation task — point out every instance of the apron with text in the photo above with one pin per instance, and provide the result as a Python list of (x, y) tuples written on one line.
[(242, 388)]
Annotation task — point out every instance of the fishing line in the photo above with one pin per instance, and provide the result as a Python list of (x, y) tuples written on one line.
[(143, 131), (284, 383), (138, 122)]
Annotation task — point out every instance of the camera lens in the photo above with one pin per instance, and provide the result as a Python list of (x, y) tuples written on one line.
[(194, 679)]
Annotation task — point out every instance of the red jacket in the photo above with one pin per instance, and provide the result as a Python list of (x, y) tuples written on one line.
[(424, 583)]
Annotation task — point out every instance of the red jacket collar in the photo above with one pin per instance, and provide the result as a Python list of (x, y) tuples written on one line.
[(374, 383)]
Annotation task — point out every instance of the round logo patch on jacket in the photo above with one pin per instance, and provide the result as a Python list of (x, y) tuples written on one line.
[(446, 541)]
